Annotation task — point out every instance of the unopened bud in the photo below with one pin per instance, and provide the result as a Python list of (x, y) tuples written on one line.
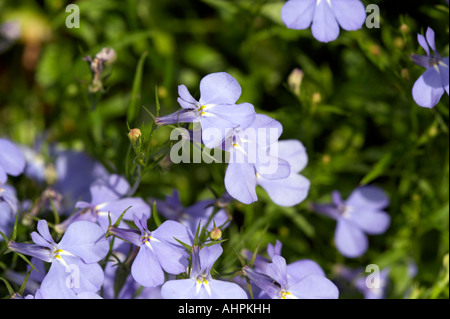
[(295, 80), (215, 234), (134, 135)]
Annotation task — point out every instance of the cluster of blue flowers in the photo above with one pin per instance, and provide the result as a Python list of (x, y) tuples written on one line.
[(105, 227)]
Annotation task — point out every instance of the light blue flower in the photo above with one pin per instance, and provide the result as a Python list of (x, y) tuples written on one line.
[(431, 85), (201, 285), (324, 16)]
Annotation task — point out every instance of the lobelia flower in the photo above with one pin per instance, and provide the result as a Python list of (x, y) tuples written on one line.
[(303, 279), (431, 85), (200, 284), (12, 161), (265, 161), (191, 216), (216, 110), (293, 189), (361, 213), (108, 201), (324, 16), (158, 250), (249, 157), (74, 260)]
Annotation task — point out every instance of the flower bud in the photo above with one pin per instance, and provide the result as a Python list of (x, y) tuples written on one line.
[(215, 234), (134, 135), (295, 81)]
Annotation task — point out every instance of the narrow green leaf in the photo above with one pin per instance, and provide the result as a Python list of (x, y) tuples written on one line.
[(379, 168), (216, 242), (116, 224), (155, 215), (8, 286), (188, 248), (4, 236), (136, 90), (27, 261), (24, 283)]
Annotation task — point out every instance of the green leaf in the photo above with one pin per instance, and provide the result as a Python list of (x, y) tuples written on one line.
[(380, 167), (136, 90), (155, 215), (8, 286)]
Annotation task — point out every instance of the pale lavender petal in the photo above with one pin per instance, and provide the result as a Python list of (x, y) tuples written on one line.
[(226, 290), (40, 241), (215, 130), (271, 167), (292, 151), (240, 182), (368, 197), (298, 14), (371, 222), (85, 240), (430, 38), (273, 250), (350, 241), (109, 188), (315, 287), (219, 88), (298, 270), (179, 289), (11, 159), (423, 43), (351, 14), (136, 207), (169, 230), (263, 131), (42, 228), (171, 260), (208, 256), (288, 191), (185, 98), (54, 285), (324, 28), (277, 270), (146, 269), (82, 277), (428, 89), (218, 121)]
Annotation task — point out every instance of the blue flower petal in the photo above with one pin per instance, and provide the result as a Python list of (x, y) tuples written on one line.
[(298, 14), (351, 14), (428, 89), (325, 27)]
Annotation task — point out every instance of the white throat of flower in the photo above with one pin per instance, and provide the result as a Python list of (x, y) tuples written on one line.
[(287, 295), (319, 1), (202, 282), (203, 109), (58, 254), (345, 210)]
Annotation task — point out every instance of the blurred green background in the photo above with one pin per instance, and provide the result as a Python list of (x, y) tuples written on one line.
[(353, 111)]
